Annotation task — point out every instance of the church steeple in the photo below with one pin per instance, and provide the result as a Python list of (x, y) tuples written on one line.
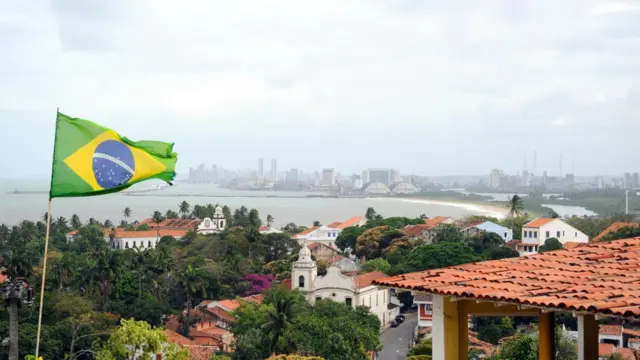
[(304, 271)]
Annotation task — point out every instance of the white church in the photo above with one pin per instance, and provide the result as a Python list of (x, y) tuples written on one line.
[(213, 225), (350, 288)]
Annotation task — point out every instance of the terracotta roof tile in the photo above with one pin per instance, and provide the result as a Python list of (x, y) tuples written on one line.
[(197, 352), (513, 243), (571, 244), (307, 231), (221, 314), (598, 278), (171, 223), (255, 299), (175, 338), (605, 350), (365, 280), (229, 304), (538, 222), (334, 225), (435, 221), (613, 228), (631, 332), (627, 354), (351, 222), (416, 230), (611, 330)]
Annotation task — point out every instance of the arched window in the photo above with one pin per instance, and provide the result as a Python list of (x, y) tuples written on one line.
[(301, 281), (221, 223)]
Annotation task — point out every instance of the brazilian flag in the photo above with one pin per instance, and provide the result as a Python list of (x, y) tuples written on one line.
[(90, 160)]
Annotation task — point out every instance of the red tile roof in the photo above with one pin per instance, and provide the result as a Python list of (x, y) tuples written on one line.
[(599, 278), (613, 228), (124, 234), (350, 222), (435, 221), (175, 338), (334, 259), (611, 330), (538, 222), (229, 304), (307, 231), (365, 280), (631, 332), (572, 244), (627, 354), (334, 225), (171, 223), (221, 314), (416, 230), (605, 350), (197, 352)]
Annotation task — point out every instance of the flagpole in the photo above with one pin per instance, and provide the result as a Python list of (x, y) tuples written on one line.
[(46, 242), (44, 275)]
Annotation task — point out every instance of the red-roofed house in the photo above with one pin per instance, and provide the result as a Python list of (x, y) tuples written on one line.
[(123, 239), (327, 235), (613, 228), (352, 289), (428, 230), (611, 334), (196, 352), (537, 231)]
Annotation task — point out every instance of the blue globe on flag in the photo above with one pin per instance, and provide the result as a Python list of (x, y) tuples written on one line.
[(113, 164)]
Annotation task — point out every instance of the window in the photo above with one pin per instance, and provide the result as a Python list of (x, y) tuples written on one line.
[(558, 234), (547, 235), (536, 248), (134, 243), (318, 298), (377, 301), (535, 234), (126, 245), (576, 234), (505, 235), (221, 223), (524, 234), (149, 243), (562, 232), (301, 281), (347, 301)]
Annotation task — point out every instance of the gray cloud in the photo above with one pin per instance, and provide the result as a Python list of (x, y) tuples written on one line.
[(430, 87)]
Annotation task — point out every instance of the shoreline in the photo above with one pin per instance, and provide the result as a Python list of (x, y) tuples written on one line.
[(481, 208)]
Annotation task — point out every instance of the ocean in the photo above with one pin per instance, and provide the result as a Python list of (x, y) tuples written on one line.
[(285, 207)]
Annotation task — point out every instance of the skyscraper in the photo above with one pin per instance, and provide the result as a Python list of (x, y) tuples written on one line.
[(328, 177), (261, 167), (274, 170)]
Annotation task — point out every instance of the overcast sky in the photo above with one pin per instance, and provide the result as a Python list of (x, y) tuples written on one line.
[(429, 87)]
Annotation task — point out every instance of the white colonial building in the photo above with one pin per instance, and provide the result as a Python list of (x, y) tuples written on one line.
[(213, 225), (319, 234), (352, 290), (537, 231)]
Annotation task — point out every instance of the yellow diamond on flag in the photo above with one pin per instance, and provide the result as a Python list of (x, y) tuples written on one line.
[(107, 162)]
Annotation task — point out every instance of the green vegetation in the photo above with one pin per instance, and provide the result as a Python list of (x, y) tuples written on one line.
[(550, 245), (286, 324)]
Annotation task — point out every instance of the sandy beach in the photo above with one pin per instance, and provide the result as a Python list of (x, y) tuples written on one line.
[(474, 207)]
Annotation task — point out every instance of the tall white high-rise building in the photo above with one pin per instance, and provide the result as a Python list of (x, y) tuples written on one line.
[(328, 177), (261, 167), (274, 170)]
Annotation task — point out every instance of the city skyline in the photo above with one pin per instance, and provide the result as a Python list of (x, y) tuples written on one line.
[(560, 82)]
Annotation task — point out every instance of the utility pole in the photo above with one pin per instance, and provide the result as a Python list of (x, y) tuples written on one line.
[(626, 201)]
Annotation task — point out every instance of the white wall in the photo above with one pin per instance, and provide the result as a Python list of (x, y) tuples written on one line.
[(140, 243), (562, 231)]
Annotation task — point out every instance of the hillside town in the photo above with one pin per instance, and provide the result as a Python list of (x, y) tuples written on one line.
[(365, 263)]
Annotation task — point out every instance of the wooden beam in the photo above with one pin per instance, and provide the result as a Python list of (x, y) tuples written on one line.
[(546, 335), (587, 337)]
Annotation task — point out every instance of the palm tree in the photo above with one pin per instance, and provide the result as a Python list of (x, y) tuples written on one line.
[(516, 206), (76, 223), (254, 218), (198, 212), (16, 267), (226, 211), (107, 266), (279, 318), (61, 224), (108, 224), (93, 221), (127, 213), (317, 223), (269, 220), (184, 209), (553, 214), (192, 280), (157, 219)]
